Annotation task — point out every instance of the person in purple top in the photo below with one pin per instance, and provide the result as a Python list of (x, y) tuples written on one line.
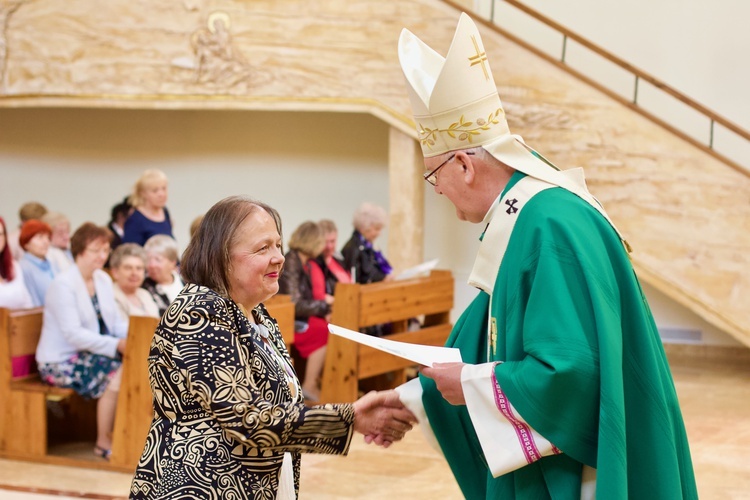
[(150, 215)]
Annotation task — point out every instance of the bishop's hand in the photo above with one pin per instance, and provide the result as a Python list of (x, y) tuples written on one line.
[(447, 377)]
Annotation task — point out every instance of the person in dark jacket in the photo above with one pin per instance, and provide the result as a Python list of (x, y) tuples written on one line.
[(361, 258)]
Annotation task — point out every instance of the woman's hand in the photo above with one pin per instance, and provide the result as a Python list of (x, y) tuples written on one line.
[(447, 377), (382, 418), (121, 346)]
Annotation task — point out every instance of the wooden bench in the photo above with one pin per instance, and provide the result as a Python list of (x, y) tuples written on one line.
[(281, 308), (135, 408), (23, 410), (359, 306)]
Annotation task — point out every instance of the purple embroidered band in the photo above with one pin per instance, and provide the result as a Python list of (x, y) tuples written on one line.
[(523, 431)]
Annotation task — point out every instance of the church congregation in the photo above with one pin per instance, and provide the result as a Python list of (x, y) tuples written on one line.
[(90, 280)]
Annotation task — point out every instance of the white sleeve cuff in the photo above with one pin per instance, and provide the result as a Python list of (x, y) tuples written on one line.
[(410, 395), (507, 440)]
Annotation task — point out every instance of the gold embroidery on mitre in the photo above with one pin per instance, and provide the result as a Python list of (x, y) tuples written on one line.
[(479, 58), (460, 130)]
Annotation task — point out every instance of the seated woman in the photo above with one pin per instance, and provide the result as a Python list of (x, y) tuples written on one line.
[(83, 335), (59, 248), (128, 268), (303, 279), (163, 281), (332, 265), (150, 215), (13, 292), (38, 270), (229, 420), (366, 264)]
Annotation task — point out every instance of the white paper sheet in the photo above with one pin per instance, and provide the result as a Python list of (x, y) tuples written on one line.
[(423, 354), (418, 271)]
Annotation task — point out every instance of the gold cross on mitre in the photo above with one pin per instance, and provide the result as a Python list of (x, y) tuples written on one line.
[(479, 58)]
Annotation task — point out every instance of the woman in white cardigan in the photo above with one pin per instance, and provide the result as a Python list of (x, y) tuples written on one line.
[(83, 334)]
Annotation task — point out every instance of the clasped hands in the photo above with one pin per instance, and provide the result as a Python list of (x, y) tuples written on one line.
[(382, 418)]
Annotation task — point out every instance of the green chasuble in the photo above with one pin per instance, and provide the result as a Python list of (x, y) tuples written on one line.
[(581, 362)]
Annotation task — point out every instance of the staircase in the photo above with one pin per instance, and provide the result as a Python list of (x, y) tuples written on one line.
[(685, 216)]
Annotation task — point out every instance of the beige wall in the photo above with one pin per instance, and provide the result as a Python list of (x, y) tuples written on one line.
[(694, 46), (81, 161)]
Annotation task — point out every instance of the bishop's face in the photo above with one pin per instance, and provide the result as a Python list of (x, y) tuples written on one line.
[(452, 176)]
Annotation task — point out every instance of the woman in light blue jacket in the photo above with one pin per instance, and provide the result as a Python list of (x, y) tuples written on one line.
[(83, 335)]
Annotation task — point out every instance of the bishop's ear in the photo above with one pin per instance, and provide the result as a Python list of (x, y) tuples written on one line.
[(466, 159)]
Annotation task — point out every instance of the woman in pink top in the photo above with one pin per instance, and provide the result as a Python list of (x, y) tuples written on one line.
[(330, 261)]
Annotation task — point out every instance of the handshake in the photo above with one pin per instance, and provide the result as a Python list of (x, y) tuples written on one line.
[(382, 418)]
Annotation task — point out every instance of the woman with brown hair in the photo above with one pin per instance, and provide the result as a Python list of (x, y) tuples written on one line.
[(229, 416)]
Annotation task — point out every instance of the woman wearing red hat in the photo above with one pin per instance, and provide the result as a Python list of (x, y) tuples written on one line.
[(38, 271)]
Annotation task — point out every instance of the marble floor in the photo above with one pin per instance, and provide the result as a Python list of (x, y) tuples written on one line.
[(715, 399)]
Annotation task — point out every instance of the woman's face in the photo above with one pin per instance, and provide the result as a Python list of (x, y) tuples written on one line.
[(255, 260), (94, 255), (61, 235), (38, 245), (155, 194), (330, 244), (129, 275), (372, 232), (160, 268), (3, 238)]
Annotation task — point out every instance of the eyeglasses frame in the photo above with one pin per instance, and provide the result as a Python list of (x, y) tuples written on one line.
[(428, 177)]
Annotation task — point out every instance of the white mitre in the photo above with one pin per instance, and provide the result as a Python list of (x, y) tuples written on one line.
[(456, 106)]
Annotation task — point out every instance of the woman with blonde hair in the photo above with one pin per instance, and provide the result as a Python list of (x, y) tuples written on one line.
[(59, 249), (304, 281), (150, 215)]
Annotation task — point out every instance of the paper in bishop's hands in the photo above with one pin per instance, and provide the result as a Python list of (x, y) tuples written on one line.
[(423, 354)]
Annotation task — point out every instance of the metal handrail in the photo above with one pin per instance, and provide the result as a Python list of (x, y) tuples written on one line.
[(637, 73)]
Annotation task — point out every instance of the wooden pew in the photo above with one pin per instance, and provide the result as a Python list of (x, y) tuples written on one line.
[(23, 399), (135, 408), (281, 308), (358, 306)]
